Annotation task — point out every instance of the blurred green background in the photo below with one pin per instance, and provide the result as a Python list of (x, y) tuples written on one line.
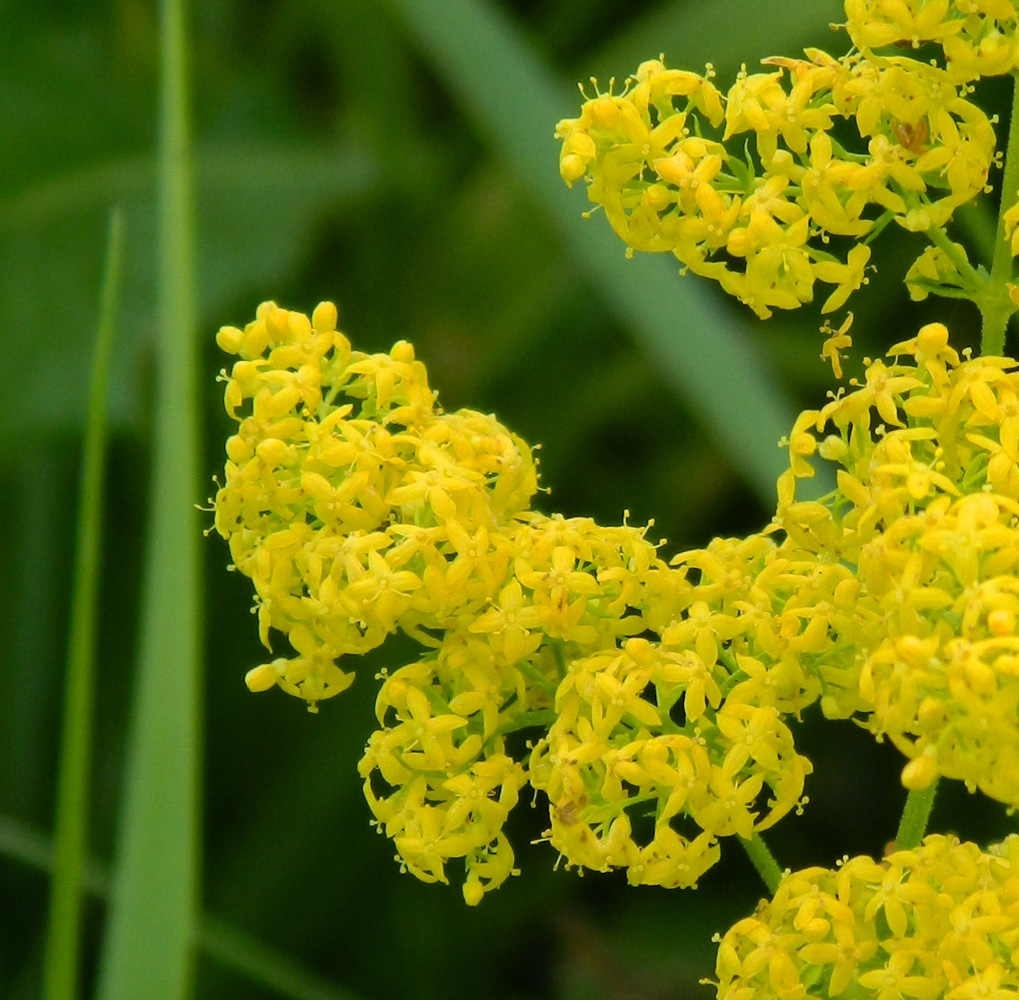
[(376, 153)]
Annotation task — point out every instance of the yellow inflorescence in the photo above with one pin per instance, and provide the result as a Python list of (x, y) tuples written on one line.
[(926, 515), (748, 189), (652, 701), (340, 484), (938, 921), (978, 37), (660, 693)]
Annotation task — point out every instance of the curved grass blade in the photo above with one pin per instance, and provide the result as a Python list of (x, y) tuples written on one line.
[(63, 946), (148, 945)]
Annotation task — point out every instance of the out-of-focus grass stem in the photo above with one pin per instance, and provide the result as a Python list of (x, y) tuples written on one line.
[(63, 949), (151, 920)]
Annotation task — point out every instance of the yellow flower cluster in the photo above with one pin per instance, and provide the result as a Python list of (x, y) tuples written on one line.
[(564, 587), (926, 515), (338, 512), (749, 189), (658, 749), (978, 37), (660, 693), (938, 921)]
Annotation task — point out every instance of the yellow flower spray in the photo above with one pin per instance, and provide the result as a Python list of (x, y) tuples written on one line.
[(657, 693)]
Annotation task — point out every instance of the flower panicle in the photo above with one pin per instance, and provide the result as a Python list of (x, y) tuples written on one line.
[(752, 190), (358, 507), (976, 38), (926, 517)]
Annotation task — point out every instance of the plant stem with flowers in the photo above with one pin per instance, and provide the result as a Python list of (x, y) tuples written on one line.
[(658, 692), (998, 304)]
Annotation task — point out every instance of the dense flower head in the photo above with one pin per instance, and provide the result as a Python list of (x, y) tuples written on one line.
[(926, 516), (943, 679), (344, 491), (941, 920), (615, 760), (925, 425), (749, 189), (978, 37), (437, 777), (661, 692)]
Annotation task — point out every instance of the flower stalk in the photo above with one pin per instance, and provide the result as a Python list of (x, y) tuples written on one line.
[(997, 305)]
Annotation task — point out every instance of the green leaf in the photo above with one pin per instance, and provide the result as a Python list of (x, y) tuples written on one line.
[(151, 919), (63, 946), (256, 205)]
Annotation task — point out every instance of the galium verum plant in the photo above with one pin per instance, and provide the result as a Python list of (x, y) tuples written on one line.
[(657, 692)]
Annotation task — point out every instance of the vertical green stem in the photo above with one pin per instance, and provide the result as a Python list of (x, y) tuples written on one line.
[(151, 918), (915, 815), (996, 306), (764, 861), (63, 946)]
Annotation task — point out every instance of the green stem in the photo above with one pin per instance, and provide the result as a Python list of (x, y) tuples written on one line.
[(974, 281), (996, 307), (915, 815), (63, 945), (764, 861), (539, 717)]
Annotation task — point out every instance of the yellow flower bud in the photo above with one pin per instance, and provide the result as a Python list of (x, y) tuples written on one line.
[(230, 339), (325, 317), (262, 678), (919, 773), (402, 351)]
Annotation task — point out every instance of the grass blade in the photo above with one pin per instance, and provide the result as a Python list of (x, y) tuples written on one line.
[(514, 101), (63, 947), (221, 941), (148, 946)]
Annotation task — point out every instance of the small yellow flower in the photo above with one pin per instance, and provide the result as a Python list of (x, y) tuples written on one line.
[(848, 277), (836, 341)]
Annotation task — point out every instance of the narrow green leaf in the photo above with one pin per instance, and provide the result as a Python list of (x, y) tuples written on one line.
[(514, 101), (256, 205), (148, 946), (62, 958), (218, 939)]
